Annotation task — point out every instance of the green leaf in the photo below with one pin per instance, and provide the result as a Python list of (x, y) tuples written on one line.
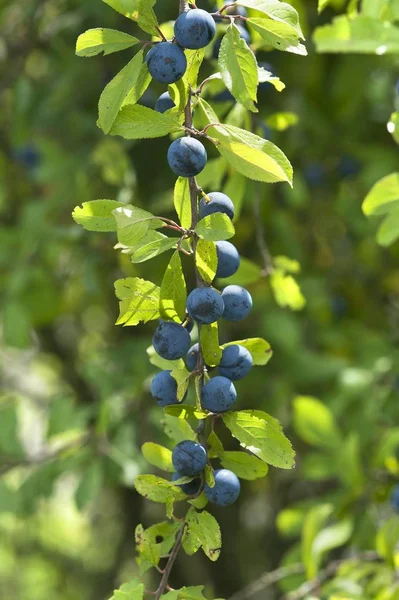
[(288, 265), (286, 291), (133, 224), (172, 305), (211, 350), (209, 476), (204, 531), (157, 489), (238, 68), (184, 412), (387, 540), (383, 196), (95, 41), (361, 34), (162, 363), (259, 433), (206, 260), (182, 201), (178, 429), (180, 91), (251, 155), (266, 76), (146, 540), (215, 443), (151, 245), (90, 485), (243, 465), (136, 122), (139, 301), (200, 502), (282, 120), (281, 12), (388, 231), (182, 378), (277, 35), (258, 347), (157, 455), (315, 423), (215, 227), (186, 593), (134, 590), (140, 11), (10, 445), (97, 215), (116, 92)]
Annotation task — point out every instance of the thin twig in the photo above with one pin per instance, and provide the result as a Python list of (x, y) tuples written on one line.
[(266, 580), (169, 565)]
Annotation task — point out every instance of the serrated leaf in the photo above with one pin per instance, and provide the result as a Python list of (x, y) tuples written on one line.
[(280, 12), (277, 35), (259, 434), (215, 227), (116, 92), (173, 299), (182, 201), (157, 489), (259, 348), (95, 41), (151, 245), (178, 429), (134, 590), (383, 196), (182, 378), (133, 224), (140, 11), (251, 155), (238, 68), (211, 350), (206, 260), (243, 465), (139, 301), (97, 215), (204, 529), (157, 455), (137, 122)]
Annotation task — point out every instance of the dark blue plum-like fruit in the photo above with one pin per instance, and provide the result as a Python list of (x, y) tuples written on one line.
[(164, 389), (192, 357), (348, 166), (315, 174), (218, 202), (189, 458), (187, 157), (171, 340), (164, 103), (191, 489), (228, 259), (218, 395), (205, 305), (236, 362), (395, 497), (237, 303), (195, 29), (166, 62), (28, 156), (226, 490)]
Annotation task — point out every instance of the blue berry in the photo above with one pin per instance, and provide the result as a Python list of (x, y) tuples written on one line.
[(192, 357), (226, 490), (228, 259), (236, 362), (166, 62), (171, 340), (164, 389), (189, 458), (164, 103), (205, 305), (187, 157), (195, 29), (218, 395), (237, 303), (191, 489), (219, 202)]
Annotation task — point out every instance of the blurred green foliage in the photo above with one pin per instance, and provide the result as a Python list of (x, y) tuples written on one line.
[(75, 405)]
